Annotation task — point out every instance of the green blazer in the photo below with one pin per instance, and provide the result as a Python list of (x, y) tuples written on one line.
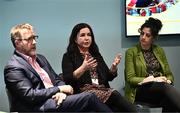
[(135, 68)]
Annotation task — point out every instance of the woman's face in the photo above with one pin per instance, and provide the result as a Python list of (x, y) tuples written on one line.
[(84, 39), (146, 38)]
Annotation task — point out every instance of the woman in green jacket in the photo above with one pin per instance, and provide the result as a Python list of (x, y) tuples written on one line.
[(148, 77)]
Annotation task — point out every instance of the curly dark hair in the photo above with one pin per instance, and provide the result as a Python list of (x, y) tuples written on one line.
[(154, 24)]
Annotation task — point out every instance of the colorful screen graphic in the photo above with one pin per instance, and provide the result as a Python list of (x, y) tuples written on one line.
[(168, 11)]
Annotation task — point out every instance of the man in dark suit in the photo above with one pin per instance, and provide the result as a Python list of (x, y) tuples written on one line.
[(34, 86)]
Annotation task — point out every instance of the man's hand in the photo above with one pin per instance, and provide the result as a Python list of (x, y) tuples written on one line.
[(66, 89), (59, 97)]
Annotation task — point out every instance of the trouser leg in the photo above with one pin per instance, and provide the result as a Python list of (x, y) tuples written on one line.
[(119, 103), (159, 94), (171, 100), (83, 102)]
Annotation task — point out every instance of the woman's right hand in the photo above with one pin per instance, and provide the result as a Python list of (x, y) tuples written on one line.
[(147, 79), (89, 63), (155, 79)]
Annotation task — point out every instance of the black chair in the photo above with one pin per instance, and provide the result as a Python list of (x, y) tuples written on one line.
[(147, 108), (9, 98), (61, 76)]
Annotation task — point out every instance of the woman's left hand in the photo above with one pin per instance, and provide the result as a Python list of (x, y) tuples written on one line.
[(162, 79), (116, 61)]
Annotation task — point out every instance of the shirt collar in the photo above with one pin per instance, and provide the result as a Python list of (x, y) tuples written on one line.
[(28, 58)]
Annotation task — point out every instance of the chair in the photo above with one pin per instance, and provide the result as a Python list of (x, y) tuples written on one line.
[(9, 98), (147, 108), (61, 76)]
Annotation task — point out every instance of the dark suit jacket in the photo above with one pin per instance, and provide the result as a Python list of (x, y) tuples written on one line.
[(70, 64), (25, 86)]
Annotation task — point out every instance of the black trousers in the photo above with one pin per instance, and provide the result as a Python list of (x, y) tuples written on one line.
[(119, 104), (83, 102), (159, 94)]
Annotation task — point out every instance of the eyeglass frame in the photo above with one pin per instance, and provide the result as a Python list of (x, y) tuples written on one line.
[(30, 39)]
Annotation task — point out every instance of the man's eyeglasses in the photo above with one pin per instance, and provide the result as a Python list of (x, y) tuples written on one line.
[(31, 38)]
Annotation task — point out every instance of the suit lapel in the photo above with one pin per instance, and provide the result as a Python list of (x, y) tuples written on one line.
[(24, 62), (140, 56), (44, 66), (158, 56)]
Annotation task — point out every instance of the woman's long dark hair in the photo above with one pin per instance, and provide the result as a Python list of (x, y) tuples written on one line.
[(72, 48)]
